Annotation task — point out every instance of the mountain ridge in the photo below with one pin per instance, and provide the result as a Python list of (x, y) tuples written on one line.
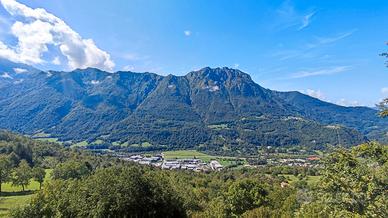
[(178, 111)]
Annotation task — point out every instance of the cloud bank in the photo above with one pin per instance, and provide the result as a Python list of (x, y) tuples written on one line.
[(36, 29)]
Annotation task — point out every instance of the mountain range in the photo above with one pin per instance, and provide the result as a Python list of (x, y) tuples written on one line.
[(217, 109)]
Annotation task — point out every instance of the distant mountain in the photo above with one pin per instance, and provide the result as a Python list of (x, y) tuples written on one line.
[(13, 73), (219, 109), (11, 70)]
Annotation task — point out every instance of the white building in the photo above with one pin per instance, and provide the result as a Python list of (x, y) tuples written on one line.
[(215, 165)]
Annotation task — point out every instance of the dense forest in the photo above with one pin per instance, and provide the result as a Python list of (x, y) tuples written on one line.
[(353, 183)]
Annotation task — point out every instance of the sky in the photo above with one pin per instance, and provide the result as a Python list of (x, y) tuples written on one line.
[(327, 49)]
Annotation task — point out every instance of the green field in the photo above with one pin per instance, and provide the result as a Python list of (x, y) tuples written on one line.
[(80, 144), (311, 180), (41, 135), (126, 144), (98, 142), (13, 197), (218, 127), (146, 144), (188, 154)]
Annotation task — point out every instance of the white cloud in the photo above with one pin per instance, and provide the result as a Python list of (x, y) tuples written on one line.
[(236, 66), (40, 29), (315, 94), (384, 91), (291, 54), (310, 49), (20, 70), (128, 68), (329, 40), (326, 40), (321, 96), (290, 17), (328, 71), (133, 57), (8, 53), (347, 103), (56, 61), (306, 20), (6, 75), (187, 32)]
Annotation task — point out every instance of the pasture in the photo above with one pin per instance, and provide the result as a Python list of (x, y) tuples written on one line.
[(13, 196)]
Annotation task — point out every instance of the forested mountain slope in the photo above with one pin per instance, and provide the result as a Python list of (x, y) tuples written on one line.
[(218, 109)]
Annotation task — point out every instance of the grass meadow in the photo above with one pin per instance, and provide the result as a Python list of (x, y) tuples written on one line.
[(13, 196)]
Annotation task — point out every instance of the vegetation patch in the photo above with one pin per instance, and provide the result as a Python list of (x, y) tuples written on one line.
[(81, 144), (98, 142), (190, 154), (146, 144), (125, 144), (116, 143), (187, 154), (218, 126), (56, 140), (41, 135)]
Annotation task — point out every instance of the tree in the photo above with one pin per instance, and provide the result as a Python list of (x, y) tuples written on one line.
[(22, 175), (38, 174), (71, 170), (245, 195), (353, 184), (385, 54), (23, 151), (383, 106), (5, 169)]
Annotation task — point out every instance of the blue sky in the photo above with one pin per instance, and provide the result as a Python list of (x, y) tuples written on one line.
[(327, 49)]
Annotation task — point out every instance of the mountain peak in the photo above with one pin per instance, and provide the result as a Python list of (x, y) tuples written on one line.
[(220, 74), (88, 70), (175, 110)]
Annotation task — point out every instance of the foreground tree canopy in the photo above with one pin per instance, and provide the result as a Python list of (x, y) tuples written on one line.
[(353, 183), (112, 192)]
